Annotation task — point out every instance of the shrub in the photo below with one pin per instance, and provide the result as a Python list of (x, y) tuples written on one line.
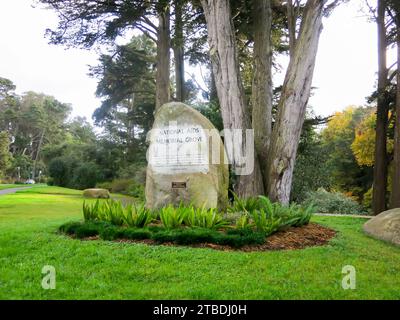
[(82, 230), (136, 190), (135, 234), (104, 185), (125, 186), (367, 199), (69, 227), (333, 202), (87, 230), (183, 236), (110, 233), (86, 176), (201, 235), (121, 185), (59, 172)]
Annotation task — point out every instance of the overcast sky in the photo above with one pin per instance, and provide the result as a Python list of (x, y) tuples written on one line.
[(345, 72)]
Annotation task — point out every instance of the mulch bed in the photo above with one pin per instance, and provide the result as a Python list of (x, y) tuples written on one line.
[(290, 239)]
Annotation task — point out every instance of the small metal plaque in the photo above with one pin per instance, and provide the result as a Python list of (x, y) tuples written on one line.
[(179, 185)]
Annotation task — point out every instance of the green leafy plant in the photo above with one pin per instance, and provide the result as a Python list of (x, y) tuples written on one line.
[(137, 216), (91, 211), (171, 217), (243, 222), (243, 204), (113, 212), (298, 216), (204, 218), (265, 221)]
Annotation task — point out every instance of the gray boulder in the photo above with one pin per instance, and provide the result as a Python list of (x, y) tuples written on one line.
[(186, 160), (385, 226), (96, 193)]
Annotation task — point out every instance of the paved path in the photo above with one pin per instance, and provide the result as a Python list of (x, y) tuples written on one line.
[(343, 215), (12, 190)]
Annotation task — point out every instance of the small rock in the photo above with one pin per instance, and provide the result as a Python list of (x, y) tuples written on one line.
[(96, 193)]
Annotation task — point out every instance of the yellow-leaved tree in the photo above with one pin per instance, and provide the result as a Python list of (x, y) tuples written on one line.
[(363, 146)]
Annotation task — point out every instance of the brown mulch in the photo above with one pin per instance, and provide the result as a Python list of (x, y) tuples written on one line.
[(310, 235)]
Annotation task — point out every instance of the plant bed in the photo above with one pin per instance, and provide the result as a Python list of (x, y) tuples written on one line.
[(248, 223)]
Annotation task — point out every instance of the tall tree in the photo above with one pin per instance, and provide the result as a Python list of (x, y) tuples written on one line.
[(381, 161), (86, 23), (278, 170), (234, 110), (163, 53), (178, 47), (395, 195), (262, 79), (5, 156), (127, 85), (293, 103)]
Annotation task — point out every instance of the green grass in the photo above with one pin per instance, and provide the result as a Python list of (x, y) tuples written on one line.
[(8, 186), (109, 270)]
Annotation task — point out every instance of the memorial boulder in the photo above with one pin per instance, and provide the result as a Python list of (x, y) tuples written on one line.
[(186, 160)]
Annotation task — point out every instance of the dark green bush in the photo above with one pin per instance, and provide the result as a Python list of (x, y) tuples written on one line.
[(185, 236), (136, 190), (124, 186), (86, 176), (182, 236), (111, 233), (104, 185), (85, 229), (88, 230), (120, 185), (237, 240), (70, 227), (135, 234), (59, 171)]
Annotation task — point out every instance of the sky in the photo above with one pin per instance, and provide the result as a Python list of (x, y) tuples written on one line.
[(345, 71)]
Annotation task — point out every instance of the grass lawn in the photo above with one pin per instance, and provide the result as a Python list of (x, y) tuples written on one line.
[(108, 270), (8, 186)]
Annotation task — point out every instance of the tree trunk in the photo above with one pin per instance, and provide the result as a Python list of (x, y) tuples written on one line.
[(235, 114), (293, 103), (262, 80), (179, 53), (163, 58), (380, 167), (37, 154), (395, 197), (291, 26)]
